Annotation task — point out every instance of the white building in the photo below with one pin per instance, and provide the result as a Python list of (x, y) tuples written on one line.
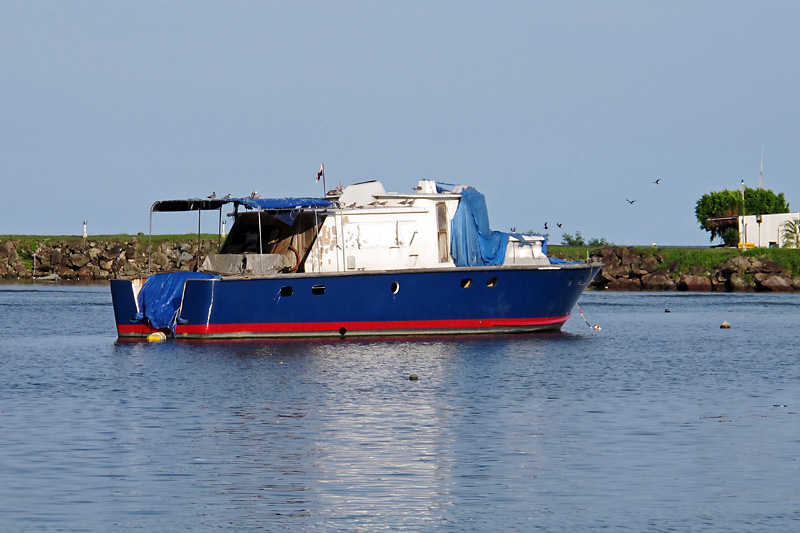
[(762, 231)]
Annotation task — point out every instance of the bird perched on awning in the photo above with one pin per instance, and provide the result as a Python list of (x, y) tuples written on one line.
[(212, 195), (226, 197), (253, 194)]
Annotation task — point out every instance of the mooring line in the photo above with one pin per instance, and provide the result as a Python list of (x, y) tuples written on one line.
[(595, 327)]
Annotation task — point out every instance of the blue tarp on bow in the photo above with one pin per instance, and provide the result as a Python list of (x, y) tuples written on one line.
[(160, 297), (472, 242)]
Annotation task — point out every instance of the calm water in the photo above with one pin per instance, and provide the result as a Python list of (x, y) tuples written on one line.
[(658, 422)]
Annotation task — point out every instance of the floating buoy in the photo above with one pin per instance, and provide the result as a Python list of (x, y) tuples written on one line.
[(158, 336), (413, 377), (725, 325)]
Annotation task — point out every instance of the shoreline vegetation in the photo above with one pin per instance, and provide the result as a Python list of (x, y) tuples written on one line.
[(631, 268)]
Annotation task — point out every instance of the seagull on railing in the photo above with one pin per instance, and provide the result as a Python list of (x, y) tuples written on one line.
[(212, 195), (253, 194), (226, 197)]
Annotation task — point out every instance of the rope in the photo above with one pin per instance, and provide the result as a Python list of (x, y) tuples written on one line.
[(595, 327)]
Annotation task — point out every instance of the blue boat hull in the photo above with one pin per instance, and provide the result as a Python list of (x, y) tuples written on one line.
[(446, 301)]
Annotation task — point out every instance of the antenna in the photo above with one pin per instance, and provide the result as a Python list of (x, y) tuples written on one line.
[(761, 176)]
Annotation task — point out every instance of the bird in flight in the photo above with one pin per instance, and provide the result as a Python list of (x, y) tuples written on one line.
[(559, 224), (630, 201), (657, 181), (545, 225)]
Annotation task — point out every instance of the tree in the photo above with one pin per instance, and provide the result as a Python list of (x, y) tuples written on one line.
[(594, 241), (790, 233), (718, 212), (577, 240)]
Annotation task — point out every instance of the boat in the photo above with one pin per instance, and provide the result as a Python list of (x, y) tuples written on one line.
[(358, 261)]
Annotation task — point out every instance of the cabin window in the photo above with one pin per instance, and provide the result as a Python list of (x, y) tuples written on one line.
[(466, 283), (395, 287), (286, 291), (441, 225), (318, 289), (491, 282)]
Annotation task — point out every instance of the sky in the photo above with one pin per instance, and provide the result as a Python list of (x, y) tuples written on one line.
[(558, 112)]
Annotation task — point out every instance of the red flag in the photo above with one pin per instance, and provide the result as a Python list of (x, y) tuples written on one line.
[(321, 171)]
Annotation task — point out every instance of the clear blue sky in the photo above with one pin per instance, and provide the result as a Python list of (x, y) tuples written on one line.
[(557, 111)]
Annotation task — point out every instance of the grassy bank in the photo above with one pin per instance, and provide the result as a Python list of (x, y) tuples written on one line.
[(686, 259), (107, 238)]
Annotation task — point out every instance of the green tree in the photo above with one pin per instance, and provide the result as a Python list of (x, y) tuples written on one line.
[(790, 233), (576, 240), (718, 212)]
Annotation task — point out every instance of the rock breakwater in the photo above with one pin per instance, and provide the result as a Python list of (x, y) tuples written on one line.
[(94, 259), (624, 268)]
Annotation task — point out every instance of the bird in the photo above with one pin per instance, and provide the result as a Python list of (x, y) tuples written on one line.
[(253, 194), (226, 197), (657, 181), (630, 201), (212, 195), (559, 224), (417, 188), (545, 225)]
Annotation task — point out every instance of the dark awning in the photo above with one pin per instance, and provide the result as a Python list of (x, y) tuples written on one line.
[(267, 204)]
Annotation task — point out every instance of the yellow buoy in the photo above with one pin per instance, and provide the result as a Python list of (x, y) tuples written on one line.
[(156, 337)]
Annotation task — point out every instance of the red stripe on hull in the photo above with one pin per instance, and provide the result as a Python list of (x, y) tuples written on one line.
[(354, 327), (137, 330)]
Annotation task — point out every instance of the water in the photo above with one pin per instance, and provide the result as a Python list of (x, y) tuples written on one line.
[(658, 422)]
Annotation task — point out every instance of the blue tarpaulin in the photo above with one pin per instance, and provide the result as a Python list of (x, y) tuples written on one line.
[(160, 297), (472, 242)]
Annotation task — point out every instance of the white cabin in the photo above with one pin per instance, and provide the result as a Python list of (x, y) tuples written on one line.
[(360, 228), (379, 230)]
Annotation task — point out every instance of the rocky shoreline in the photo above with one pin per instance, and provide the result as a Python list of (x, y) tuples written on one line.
[(624, 268), (93, 260)]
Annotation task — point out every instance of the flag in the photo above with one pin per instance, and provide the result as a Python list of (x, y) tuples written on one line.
[(321, 172)]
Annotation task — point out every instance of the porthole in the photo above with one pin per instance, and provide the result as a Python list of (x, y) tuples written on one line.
[(466, 283), (318, 289), (395, 287), (286, 291), (491, 282)]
